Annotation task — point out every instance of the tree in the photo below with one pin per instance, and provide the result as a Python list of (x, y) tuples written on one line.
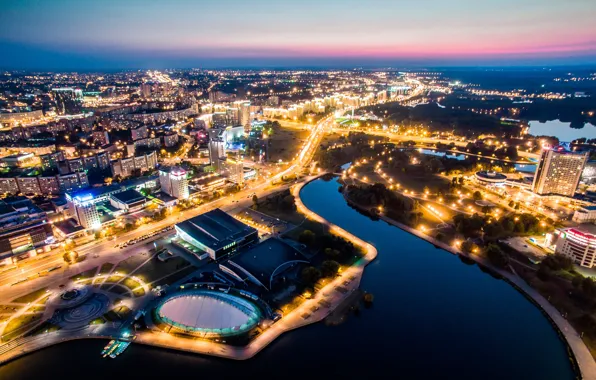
[(310, 275), (486, 210), (557, 262), (469, 247), (331, 253), (497, 256), (329, 268), (589, 287), (477, 196), (70, 257), (255, 200), (306, 237)]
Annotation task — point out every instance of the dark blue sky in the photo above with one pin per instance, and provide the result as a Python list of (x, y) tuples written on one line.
[(119, 34)]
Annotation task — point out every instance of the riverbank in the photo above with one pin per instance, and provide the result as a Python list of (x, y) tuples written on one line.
[(579, 353), (323, 302)]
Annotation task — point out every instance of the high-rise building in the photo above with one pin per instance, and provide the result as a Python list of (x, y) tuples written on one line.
[(174, 182), (579, 244), (139, 133), (558, 172), (101, 137), (88, 215), (50, 160), (217, 147)]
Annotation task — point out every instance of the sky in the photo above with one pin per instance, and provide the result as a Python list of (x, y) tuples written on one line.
[(121, 34)]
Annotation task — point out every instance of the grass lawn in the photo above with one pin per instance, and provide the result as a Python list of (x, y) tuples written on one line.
[(19, 325), (114, 278), (106, 268), (128, 265), (31, 296), (117, 314), (155, 269), (115, 288), (84, 275), (292, 217), (45, 327), (285, 143), (175, 276), (98, 321), (36, 309)]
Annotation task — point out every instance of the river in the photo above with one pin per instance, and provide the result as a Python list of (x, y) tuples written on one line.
[(433, 317), (561, 130)]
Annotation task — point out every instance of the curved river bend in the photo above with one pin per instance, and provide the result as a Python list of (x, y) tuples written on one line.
[(433, 317)]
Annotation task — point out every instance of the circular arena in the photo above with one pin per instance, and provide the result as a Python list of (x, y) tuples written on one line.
[(208, 313)]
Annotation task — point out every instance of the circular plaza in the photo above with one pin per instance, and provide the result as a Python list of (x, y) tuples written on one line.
[(208, 314)]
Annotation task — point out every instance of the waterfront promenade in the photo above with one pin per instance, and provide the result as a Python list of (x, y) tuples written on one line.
[(311, 311)]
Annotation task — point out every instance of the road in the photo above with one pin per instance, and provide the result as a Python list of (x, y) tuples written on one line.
[(103, 251)]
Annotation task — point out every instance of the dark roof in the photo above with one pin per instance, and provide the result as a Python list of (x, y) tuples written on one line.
[(128, 196), (68, 226), (215, 229), (263, 259)]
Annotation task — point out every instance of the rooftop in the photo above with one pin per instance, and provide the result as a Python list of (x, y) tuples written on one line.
[(128, 196), (265, 259), (215, 229)]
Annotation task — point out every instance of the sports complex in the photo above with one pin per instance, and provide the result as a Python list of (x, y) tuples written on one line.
[(208, 313)]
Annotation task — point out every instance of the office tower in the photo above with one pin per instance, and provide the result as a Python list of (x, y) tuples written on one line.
[(174, 182), (217, 147)]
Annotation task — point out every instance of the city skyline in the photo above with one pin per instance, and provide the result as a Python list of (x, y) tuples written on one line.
[(118, 35)]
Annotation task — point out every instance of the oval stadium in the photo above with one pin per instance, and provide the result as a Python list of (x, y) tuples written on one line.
[(208, 313)]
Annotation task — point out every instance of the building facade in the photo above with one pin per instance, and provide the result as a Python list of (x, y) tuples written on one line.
[(558, 172)]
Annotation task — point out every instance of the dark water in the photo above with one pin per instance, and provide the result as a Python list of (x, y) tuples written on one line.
[(434, 317)]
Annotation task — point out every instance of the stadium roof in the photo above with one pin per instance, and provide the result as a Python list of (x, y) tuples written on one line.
[(215, 229), (265, 260)]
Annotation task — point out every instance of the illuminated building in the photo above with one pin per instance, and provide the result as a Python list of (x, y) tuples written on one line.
[(170, 139), (101, 137), (139, 133), (578, 244), (558, 172), (50, 160), (174, 182), (86, 213), (217, 147), (24, 230), (216, 233)]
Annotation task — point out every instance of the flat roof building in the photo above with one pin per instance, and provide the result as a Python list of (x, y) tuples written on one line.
[(263, 263), (216, 233), (129, 200)]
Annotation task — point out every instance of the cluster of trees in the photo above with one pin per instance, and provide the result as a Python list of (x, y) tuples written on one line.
[(509, 152), (491, 229), (359, 146), (328, 269), (334, 247), (394, 205), (457, 121), (283, 201)]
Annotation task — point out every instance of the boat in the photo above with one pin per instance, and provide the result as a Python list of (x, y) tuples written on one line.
[(120, 347), (106, 349)]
